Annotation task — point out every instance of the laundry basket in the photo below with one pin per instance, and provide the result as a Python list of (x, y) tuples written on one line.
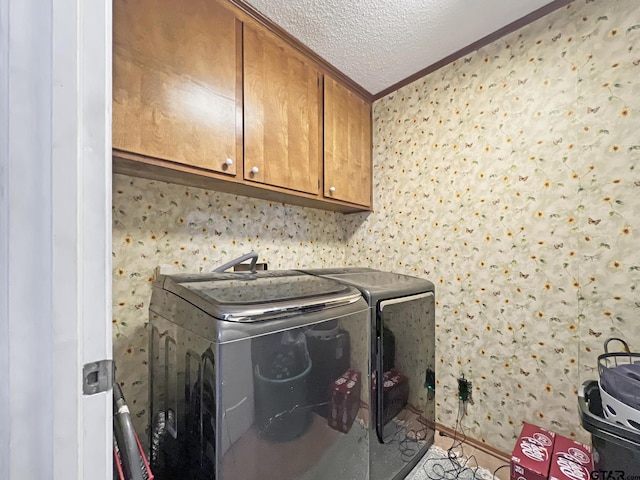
[(620, 385), (616, 448)]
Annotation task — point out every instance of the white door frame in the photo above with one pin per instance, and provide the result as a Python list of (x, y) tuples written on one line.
[(55, 237)]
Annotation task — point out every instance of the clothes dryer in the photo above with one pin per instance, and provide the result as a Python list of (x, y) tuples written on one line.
[(402, 365)]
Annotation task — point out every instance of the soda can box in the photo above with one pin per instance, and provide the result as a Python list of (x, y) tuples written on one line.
[(344, 401), (531, 456), (571, 460)]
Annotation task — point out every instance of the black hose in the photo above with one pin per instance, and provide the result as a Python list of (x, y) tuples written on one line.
[(126, 437)]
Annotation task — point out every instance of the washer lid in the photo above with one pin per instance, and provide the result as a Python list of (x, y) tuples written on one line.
[(376, 284), (252, 297)]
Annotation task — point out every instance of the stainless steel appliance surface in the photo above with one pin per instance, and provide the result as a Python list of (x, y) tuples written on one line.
[(258, 376), (402, 309)]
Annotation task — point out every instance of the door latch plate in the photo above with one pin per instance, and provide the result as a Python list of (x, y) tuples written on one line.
[(97, 377)]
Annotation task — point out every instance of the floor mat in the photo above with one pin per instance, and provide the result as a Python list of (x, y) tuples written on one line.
[(437, 465)]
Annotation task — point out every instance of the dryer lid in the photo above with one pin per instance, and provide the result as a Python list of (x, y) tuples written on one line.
[(252, 297)]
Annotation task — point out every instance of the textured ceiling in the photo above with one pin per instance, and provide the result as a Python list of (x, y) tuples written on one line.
[(378, 43)]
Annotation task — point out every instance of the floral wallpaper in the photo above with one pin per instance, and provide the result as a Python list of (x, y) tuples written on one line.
[(194, 230), (511, 179)]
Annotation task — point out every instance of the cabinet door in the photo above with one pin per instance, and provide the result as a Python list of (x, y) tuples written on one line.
[(282, 107), (177, 82), (347, 145)]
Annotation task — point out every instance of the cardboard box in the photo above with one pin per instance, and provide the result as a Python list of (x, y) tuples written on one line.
[(344, 401), (571, 460), (531, 457)]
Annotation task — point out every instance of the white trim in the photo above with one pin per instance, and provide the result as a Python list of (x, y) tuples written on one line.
[(82, 233), (55, 240), (66, 403), (95, 177), (5, 430), (27, 265)]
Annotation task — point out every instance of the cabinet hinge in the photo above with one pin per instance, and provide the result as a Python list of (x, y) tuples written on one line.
[(97, 377)]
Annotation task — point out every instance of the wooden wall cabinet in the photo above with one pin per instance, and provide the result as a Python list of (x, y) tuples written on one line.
[(347, 145), (204, 95), (282, 114), (177, 82)]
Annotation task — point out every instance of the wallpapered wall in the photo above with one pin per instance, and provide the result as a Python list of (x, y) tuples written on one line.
[(194, 230), (511, 178), (508, 178)]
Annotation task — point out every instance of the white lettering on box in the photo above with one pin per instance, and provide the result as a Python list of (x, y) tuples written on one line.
[(572, 469), (534, 452), (579, 455), (543, 439)]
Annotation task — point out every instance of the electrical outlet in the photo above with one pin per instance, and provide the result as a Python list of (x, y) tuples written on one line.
[(430, 380), (465, 390)]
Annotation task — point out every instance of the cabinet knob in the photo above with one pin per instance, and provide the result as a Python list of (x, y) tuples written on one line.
[(255, 170), (332, 189), (228, 162)]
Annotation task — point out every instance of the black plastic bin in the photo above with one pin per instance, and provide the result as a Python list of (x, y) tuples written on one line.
[(616, 448), (281, 382)]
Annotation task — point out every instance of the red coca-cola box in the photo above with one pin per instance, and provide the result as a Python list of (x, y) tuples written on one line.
[(344, 401), (571, 460), (531, 457)]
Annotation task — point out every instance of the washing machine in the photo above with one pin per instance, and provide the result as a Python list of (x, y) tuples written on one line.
[(241, 386), (402, 365)]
